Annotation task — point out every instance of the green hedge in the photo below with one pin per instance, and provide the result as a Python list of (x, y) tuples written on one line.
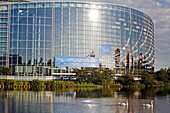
[(37, 83)]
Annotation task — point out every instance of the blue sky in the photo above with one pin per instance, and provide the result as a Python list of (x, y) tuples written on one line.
[(159, 11)]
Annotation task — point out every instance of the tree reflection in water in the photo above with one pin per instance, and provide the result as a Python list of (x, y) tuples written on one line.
[(133, 92), (83, 100)]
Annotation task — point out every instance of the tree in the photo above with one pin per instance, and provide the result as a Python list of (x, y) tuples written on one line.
[(92, 75), (162, 75), (6, 71), (36, 82), (147, 78), (168, 74), (127, 80), (81, 75)]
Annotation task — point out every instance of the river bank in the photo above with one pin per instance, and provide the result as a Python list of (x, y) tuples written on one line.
[(61, 84), (45, 84), (83, 100)]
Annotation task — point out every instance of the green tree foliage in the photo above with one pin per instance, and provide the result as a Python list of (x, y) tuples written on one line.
[(6, 71), (127, 80), (168, 74), (82, 75), (94, 76), (36, 82), (147, 78), (162, 75)]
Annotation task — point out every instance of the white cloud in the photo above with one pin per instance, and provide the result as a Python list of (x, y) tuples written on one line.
[(167, 1)]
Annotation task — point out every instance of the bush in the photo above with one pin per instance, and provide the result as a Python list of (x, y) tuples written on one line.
[(58, 83), (112, 83), (161, 83), (36, 82), (71, 84), (21, 83), (53, 83), (147, 78), (6, 83), (127, 80), (11, 82), (2, 82), (15, 83), (27, 84), (47, 83), (155, 82), (136, 83)]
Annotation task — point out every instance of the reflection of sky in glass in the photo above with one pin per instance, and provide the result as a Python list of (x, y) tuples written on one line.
[(78, 29)]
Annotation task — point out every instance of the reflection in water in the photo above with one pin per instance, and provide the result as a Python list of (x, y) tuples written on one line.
[(84, 100), (26, 101)]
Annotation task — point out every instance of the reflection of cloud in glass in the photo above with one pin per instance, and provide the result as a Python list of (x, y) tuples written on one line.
[(94, 14)]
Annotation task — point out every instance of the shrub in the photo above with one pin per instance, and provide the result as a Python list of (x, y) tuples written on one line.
[(58, 83), (11, 82), (21, 83), (47, 83), (15, 83), (71, 84), (112, 83), (127, 80), (147, 78), (36, 82), (53, 83), (161, 83), (27, 84), (136, 83), (2, 82)]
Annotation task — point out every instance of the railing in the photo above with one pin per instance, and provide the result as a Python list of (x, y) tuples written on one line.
[(28, 77), (63, 78)]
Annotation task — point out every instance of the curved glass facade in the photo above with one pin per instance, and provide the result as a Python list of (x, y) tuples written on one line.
[(33, 33)]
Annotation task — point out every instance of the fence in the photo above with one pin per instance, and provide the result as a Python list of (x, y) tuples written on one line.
[(28, 77)]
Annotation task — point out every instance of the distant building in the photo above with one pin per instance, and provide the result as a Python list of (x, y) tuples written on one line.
[(32, 34)]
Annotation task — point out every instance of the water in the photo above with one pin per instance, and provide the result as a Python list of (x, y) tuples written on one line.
[(84, 100)]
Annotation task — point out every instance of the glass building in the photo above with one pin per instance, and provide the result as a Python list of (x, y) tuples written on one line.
[(33, 33)]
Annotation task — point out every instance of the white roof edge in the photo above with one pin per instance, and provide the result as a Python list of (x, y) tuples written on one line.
[(79, 1)]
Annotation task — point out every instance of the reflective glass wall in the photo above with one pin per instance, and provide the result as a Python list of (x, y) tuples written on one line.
[(121, 37), (4, 30)]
